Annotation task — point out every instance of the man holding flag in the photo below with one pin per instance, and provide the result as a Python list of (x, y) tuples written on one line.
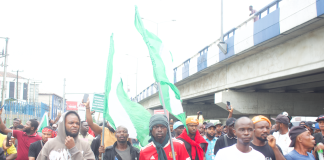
[(159, 147)]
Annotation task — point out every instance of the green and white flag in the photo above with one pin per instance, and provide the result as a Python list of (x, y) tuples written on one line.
[(43, 123), (119, 109), (162, 61)]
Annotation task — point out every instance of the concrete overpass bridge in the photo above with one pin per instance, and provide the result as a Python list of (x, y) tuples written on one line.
[(272, 65)]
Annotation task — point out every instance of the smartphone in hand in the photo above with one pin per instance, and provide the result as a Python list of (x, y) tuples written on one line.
[(85, 98), (228, 105)]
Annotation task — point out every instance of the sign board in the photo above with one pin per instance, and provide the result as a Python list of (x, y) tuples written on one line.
[(98, 102), (82, 113), (161, 111), (71, 105)]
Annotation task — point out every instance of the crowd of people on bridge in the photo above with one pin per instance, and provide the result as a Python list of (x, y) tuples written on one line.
[(255, 138)]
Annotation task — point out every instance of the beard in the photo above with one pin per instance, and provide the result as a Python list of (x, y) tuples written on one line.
[(261, 139), (71, 134), (210, 136), (27, 130)]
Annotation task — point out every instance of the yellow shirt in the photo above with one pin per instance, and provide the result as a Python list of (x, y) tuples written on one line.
[(10, 150), (110, 138)]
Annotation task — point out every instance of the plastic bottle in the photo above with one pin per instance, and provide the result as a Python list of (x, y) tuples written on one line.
[(320, 154)]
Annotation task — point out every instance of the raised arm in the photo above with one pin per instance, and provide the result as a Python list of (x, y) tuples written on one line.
[(3, 127), (230, 112), (97, 129), (56, 119)]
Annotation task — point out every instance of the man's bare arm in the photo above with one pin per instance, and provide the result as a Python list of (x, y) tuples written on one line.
[(3, 127), (94, 127), (230, 112), (12, 156)]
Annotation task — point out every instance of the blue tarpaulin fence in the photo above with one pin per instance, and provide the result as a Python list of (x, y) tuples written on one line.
[(23, 111)]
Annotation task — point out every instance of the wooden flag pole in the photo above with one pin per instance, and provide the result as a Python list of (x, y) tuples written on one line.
[(170, 136)]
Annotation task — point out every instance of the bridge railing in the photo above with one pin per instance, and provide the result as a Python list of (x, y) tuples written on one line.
[(258, 28)]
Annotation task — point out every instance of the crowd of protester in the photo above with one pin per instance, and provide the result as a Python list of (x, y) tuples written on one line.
[(69, 138)]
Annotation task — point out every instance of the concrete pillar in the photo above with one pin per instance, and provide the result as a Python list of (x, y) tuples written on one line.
[(256, 103), (150, 110)]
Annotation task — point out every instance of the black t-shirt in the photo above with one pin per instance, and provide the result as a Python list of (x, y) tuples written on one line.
[(319, 138), (95, 145), (266, 150), (188, 147), (220, 143), (35, 148)]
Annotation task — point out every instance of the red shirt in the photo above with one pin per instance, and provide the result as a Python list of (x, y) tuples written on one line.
[(24, 142), (149, 151)]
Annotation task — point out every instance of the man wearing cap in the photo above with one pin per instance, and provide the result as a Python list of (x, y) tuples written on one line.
[(317, 129), (282, 134), (319, 137), (263, 141), (302, 141), (211, 140), (310, 126), (242, 149), (302, 123), (178, 128), (195, 144), (227, 139), (219, 129), (159, 147)]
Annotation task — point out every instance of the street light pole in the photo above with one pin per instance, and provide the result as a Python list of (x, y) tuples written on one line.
[(4, 87)]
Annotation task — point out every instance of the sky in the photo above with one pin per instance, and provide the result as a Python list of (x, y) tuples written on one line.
[(53, 40)]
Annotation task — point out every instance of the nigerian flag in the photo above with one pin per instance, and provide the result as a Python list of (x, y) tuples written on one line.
[(119, 110), (43, 123), (162, 61)]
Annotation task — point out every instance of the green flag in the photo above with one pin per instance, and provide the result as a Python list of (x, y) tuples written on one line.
[(43, 123), (162, 61), (119, 110)]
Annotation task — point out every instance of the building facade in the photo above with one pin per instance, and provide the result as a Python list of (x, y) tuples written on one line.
[(54, 102)]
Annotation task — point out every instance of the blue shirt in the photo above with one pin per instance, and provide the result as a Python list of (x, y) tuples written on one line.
[(210, 150), (295, 155)]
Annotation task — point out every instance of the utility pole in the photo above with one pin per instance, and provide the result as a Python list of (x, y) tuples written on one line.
[(17, 81), (34, 99), (4, 87), (63, 101)]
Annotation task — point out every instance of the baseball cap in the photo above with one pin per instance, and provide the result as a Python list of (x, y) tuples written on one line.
[(230, 121), (210, 125), (294, 132), (282, 119), (320, 118), (310, 124), (218, 123), (317, 126), (177, 124)]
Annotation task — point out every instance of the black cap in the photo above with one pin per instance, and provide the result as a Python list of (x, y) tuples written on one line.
[(230, 121), (310, 124), (282, 119), (210, 125), (320, 118), (204, 123), (294, 132)]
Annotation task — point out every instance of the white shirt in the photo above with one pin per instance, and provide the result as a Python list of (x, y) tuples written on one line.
[(232, 153), (283, 141)]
